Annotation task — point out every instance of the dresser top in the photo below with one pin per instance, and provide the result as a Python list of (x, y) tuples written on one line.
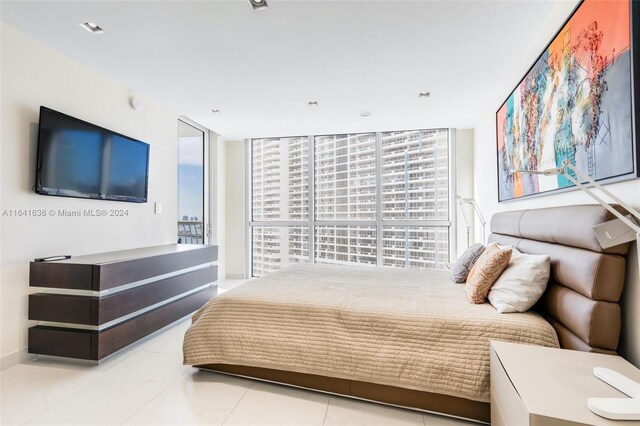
[(131, 254)]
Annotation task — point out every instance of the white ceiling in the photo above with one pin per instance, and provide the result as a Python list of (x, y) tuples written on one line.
[(261, 68)]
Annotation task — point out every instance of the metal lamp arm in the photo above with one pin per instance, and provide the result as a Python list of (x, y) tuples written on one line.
[(584, 176), (475, 206), (466, 219), (482, 221), (478, 212), (603, 406), (464, 215)]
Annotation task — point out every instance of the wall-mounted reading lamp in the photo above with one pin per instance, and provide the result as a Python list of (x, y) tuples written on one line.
[(609, 234), (461, 202)]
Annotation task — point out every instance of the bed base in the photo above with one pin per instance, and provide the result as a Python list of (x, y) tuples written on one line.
[(407, 398)]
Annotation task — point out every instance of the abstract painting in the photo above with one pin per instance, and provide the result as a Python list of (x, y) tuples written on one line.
[(575, 103)]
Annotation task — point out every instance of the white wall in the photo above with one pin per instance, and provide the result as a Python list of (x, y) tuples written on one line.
[(217, 179), (235, 209), (33, 74), (485, 185), (464, 188)]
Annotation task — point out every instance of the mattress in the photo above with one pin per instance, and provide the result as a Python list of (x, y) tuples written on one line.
[(400, 327)]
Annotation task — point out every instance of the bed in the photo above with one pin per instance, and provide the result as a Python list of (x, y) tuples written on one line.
[(409, 337)]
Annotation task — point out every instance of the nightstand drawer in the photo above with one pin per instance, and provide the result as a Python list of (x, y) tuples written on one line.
[(506, 406)]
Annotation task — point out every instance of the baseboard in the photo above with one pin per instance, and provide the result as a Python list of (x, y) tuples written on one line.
[(235, 276), (15, 358)]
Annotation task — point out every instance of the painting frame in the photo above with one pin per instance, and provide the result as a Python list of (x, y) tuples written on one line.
[(510, 145)]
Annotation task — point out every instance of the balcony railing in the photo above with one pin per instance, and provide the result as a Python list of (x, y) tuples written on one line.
[(190, 232)]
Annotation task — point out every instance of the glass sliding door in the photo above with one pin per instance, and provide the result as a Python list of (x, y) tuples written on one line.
[(193, 224)]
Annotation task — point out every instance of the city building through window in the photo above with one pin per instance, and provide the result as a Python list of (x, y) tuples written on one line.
[(370, 198)]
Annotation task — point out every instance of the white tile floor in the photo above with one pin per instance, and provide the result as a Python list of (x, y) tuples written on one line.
[(148, 385)]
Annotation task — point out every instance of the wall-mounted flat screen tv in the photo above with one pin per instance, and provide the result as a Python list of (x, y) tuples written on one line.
[(80, 159)]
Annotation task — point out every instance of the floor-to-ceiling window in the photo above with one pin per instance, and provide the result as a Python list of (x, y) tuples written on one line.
[(415, 198), (345, 198), (375, 198), (192, 211), (279, 203)]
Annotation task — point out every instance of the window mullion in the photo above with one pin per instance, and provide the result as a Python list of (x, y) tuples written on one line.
[(248, 210), (311, 203), (378, 199), (453, 185)]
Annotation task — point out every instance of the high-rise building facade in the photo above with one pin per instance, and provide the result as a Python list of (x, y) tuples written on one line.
[(377, 199)]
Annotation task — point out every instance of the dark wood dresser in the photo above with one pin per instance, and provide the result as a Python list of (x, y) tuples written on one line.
[(93, 306)]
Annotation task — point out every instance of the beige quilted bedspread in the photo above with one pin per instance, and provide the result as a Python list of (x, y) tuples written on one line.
[(406, 328)]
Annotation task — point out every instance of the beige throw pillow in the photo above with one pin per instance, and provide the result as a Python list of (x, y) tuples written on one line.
[(521, 285), (486, 271)]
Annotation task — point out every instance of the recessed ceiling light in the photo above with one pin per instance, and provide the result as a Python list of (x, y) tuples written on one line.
[(92, 28), (424, 94), (313, 103), (258, 4), (215, 111), (365, 113)]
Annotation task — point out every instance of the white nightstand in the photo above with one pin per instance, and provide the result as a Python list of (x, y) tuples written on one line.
[(534, 385)]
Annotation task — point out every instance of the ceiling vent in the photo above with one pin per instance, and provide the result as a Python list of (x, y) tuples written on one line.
[(258, 4), (92, 28)]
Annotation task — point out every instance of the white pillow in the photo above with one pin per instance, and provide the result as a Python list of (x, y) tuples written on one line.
[(520, 285)]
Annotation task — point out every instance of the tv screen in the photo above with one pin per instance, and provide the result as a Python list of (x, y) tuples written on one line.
[(80, 159)]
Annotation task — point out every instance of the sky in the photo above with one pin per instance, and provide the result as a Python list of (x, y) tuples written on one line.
[(190, 177)]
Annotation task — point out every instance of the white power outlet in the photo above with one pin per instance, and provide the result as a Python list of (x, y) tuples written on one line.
[(157, 208)]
